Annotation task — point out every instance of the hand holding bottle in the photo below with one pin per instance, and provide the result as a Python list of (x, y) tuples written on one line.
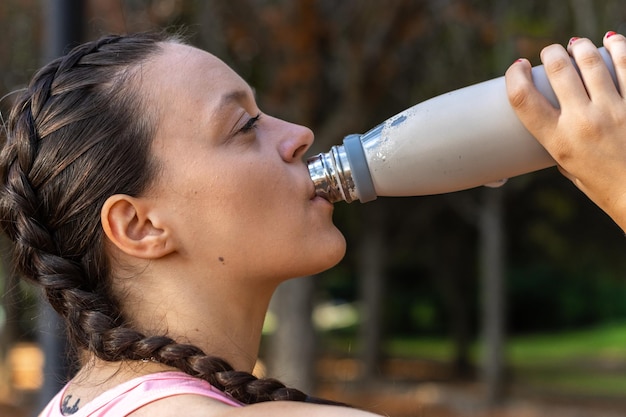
[(587, 135)]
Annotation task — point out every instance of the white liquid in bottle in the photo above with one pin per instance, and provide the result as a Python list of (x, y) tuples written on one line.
[(459, 140), (452, 142)]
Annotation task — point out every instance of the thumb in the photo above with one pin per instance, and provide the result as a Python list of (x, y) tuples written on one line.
[(535, 112)]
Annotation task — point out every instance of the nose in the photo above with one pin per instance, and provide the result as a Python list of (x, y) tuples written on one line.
[(296, 140)]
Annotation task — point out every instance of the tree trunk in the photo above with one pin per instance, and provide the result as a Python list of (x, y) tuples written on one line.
[(291, 353), (584, 17), (492, 274), (451, 279), (9, 329), (371, 284)]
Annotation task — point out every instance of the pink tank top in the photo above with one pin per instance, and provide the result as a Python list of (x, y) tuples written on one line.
[(134, 394)]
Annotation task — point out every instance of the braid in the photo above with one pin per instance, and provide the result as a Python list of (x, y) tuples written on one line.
[(42, 200), (243, 386), (78, 134)]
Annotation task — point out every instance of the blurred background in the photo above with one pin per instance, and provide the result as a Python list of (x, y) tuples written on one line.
[(486, 302)]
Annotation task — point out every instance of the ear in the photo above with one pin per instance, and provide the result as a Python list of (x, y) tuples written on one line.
[(133, 229)]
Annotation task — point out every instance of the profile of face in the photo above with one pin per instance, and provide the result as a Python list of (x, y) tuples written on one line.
[(232, 190)]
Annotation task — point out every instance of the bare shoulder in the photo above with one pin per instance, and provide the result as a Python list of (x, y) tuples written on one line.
[(188, 405), (292, 409), (199, 406)]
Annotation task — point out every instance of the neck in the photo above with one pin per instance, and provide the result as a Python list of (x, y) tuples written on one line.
[(218, 316)]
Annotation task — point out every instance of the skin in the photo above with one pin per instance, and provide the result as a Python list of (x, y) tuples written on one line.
[(232, 214), (587, 135)]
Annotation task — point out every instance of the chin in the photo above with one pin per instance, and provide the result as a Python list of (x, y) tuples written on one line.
[(327, 252), (334, 253)]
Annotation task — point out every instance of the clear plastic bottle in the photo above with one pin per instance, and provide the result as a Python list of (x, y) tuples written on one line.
[(456, 141)]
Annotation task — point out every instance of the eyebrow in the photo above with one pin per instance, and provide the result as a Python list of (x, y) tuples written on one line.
[(236, 96)]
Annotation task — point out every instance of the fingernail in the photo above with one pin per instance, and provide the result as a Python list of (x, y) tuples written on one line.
[(609, 34), (572, 40)]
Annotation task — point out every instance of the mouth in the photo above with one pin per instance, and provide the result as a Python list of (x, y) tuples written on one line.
[(317, 182), (321, 195), (316, 194), (312, 189)]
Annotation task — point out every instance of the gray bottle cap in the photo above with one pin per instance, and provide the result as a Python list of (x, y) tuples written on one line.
[(358, 165)]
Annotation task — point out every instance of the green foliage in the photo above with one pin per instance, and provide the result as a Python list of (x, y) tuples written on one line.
[(546, 298)]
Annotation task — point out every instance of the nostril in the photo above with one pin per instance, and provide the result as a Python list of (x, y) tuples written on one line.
[(294, 141), (299, 152)]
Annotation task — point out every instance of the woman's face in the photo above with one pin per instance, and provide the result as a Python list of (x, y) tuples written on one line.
[(233, 185)]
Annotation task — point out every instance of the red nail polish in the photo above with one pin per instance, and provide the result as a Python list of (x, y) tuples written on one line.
[(609, 34), (574, 39)]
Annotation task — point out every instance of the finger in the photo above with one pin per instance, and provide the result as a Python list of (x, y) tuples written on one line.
[(563, 75), (616, 45), (531, 107), (593, 70)]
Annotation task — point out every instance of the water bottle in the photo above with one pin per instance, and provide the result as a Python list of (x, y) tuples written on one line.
[(456, 141)]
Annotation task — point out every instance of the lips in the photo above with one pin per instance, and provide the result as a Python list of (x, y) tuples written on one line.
[(316, 195), (311, 184), (315, 191)]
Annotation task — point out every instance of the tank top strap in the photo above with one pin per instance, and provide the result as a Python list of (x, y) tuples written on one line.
[(138, 392)]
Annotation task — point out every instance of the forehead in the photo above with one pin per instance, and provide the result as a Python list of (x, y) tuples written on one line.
[(178, 56), (182, 72)]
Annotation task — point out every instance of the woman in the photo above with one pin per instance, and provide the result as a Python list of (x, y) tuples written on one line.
[(158, 208)]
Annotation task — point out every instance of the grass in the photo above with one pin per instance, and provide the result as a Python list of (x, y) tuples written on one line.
[(581, 362), (607, 342)]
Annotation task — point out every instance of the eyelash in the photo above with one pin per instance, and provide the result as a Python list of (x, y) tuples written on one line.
[(250, 124)]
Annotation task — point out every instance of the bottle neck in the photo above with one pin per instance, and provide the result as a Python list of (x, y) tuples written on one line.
[(332, 176)]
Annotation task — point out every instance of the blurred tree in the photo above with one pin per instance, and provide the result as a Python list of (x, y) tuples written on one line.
[(492, 262), (372, 265), (342, 67), (9, 318), (292, 348), (17, 57)]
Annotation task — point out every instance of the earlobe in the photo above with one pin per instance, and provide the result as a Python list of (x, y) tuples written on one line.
[(130, 226)]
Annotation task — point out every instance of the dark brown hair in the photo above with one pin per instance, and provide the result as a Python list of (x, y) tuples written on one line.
[(78, 134)]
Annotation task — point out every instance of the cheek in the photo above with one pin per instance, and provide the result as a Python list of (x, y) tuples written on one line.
[(248, 201), (242, 210), (257, 192)]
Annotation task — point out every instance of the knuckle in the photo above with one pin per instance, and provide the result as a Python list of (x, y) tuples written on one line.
[(557, 65), (560, 151), (585, 125), (518, 97), (620, 62), (590, 59)]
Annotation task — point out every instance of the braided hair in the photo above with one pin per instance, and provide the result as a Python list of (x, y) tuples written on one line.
[(78, 134)]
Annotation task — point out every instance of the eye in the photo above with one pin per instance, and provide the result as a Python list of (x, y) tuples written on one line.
[(250, 124)]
